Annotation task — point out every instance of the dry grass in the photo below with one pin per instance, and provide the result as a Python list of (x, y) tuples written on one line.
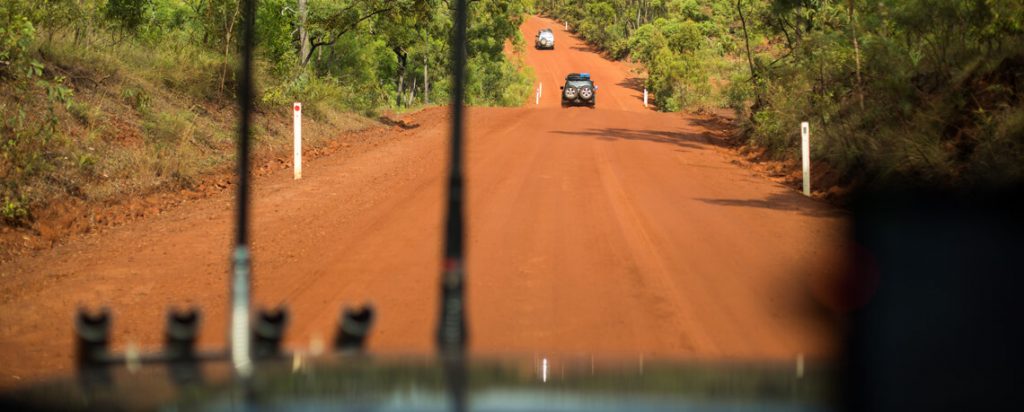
[(143, 121)]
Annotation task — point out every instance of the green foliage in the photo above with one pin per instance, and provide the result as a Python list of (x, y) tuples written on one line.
[(682, 36), (492, 79), (16, 35), (29, 129), (598, 24), (738, 93), (158, 76), (910, 90), (165, 18), (13, 211), (370, 48), (682, 43), (163, 129), (275, 20), (127, 15), (894, 89), (492, 82), (137, 98), (646, 42), (216, 21)]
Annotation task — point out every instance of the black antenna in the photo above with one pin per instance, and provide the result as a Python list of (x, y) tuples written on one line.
[(240, 282), (451, 333)]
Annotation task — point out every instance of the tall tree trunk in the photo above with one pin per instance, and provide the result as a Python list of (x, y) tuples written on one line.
[(402, 59), (229, 28), (303, 35), (412, 93), (856, 55), (639, 6), (401, 90), (746, 37), (750, 57)]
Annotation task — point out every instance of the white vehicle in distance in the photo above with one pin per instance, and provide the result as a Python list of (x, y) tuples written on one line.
[(545, 39)]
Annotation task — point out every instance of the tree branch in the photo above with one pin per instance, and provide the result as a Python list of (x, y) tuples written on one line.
[(337, 34)]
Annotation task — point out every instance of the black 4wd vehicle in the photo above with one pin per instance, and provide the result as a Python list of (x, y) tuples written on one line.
[(579, 90)]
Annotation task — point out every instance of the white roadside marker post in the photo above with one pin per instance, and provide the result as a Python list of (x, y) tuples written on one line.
[(805, 143), (297, 155), (566, 26), (544, 370), (645, 97), (540, 88)]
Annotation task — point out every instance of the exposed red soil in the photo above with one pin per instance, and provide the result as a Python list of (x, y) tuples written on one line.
[(611, 231), (73, 217)]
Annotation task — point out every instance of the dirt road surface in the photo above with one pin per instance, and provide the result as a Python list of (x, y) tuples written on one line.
[(615, 231)]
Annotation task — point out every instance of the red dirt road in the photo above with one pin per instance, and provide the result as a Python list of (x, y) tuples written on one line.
[(611, 231)]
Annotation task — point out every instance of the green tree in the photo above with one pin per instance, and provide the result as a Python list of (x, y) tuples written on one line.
[(127, 15)]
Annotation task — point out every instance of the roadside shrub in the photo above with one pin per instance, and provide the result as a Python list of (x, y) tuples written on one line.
[(317, 94), (16, 35), (174, 64), (30, 101), (84, 113), (167, 128), (497, 82), (738, 94), (14, 211), (136, 97)]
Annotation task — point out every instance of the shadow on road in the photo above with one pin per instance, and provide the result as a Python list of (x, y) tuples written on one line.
[(632, 83), (786, 201), (584, 47), (635, 84), (402, 123), (720, 120), (685, 140)]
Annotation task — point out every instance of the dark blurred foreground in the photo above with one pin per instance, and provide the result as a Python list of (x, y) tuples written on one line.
[(941, 277), (417, 384)]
